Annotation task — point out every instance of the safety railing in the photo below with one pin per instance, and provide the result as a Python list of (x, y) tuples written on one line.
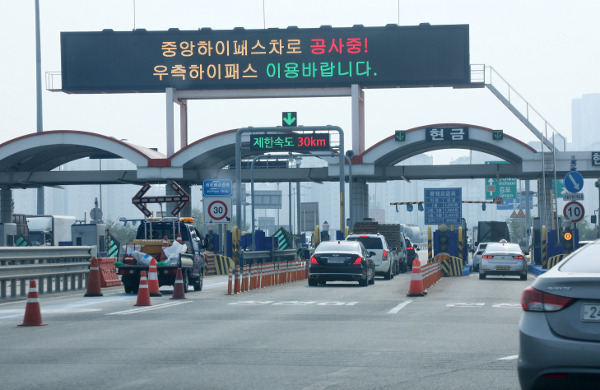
[(55, 269)]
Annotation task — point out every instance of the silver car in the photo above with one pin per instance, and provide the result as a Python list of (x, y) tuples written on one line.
[(560, 326), (477, 255), (384, 257), (503, 258)]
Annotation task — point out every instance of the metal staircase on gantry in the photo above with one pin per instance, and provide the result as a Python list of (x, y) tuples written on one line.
[(532, 120)]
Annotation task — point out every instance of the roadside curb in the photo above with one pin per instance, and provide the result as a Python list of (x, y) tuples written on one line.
[(536, 269)]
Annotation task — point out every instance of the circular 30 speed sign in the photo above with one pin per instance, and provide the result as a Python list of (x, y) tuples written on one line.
[(574, 211), (217, 210)]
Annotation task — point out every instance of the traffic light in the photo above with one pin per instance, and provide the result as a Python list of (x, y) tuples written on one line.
[(444, 240), (568, 242)]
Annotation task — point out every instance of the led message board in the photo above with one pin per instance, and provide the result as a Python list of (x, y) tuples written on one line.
[(290, 142), (151, 61)]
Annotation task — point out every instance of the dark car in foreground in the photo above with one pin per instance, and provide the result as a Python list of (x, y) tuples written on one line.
[(559, 330), (341, 260)]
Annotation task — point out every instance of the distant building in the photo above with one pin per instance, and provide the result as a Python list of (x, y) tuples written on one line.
[(586, 122)]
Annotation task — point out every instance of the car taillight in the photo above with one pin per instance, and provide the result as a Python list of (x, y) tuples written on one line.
[(410, 248), (536, 300), (358, 260), (518, 257), (385, 254), (313, 260), (488, 257)]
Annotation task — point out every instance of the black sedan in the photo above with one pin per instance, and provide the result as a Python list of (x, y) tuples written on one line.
[(411, 253), (341, 260)]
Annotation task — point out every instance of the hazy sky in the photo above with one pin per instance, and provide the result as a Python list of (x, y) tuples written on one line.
[(547, 49)]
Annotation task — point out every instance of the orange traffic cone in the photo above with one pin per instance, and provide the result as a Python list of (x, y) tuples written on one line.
[(153, 286), (33, 314), (179, 240), (143, 298), (162, 251), (416, 282), (93, 285), (178, 290)]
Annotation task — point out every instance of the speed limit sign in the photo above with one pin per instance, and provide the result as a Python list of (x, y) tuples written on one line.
[(574, 211), (217, 210)]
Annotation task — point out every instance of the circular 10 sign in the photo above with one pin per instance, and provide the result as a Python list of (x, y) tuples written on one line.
[(574, 211)]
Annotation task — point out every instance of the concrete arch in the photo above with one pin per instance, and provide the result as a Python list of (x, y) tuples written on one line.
[(48, 150), (389, 152), (212, 152)]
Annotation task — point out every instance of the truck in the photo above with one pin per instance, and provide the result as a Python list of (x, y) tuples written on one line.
[(492, 231), (49, 230), (151, 235), (393, 235)]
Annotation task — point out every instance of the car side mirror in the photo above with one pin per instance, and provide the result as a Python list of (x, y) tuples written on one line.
[(371, 253), (394, 249), (417, 248)]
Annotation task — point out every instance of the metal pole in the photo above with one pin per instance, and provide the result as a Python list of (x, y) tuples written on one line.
[(298, 200), (38, 79), (350, 204)]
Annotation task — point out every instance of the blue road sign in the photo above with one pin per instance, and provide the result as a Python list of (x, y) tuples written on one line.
[(573, 181), (517, 203), (443, 205), (217, 187)]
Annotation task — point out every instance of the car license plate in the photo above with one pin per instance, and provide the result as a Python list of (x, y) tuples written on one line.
[(336, 260), (591, 313), (502, 267)]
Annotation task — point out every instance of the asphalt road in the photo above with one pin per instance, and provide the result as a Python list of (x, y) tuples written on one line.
[(462, 335)]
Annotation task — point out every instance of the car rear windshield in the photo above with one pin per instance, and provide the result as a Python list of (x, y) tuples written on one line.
[(369, 242), (500, 248), (337, 246), (586, 260)]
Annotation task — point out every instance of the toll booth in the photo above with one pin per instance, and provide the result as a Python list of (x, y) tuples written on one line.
[(445, 241), (91, 234)]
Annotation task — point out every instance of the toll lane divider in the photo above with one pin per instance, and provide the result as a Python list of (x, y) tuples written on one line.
[(431, 273), (452, 266), (261, 275), (223, 264), (108, 272), (552, 261)]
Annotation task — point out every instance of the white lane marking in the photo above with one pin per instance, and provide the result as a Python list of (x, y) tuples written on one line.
[(463, 304), (512, 357), (292, 303), (146, 308), (399, 307), (507, 305)]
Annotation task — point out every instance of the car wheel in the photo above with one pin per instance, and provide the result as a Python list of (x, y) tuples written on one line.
[(186, 281), (199, 282), (388, 275), (481, 276), (312, 282), (365, 281), (524, 277)]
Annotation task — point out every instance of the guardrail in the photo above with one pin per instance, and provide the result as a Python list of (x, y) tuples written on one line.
[(250, 257), (55, 268)]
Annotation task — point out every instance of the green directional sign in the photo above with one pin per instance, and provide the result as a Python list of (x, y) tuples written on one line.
[(497, 135), (505, 188), (400, 135), (559, 186), (289, 119)]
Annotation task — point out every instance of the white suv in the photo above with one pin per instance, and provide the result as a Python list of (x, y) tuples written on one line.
[(385, 260)]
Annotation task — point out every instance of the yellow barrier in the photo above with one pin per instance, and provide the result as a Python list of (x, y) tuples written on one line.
[(223, 264), (451, 266), (553, 261)]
